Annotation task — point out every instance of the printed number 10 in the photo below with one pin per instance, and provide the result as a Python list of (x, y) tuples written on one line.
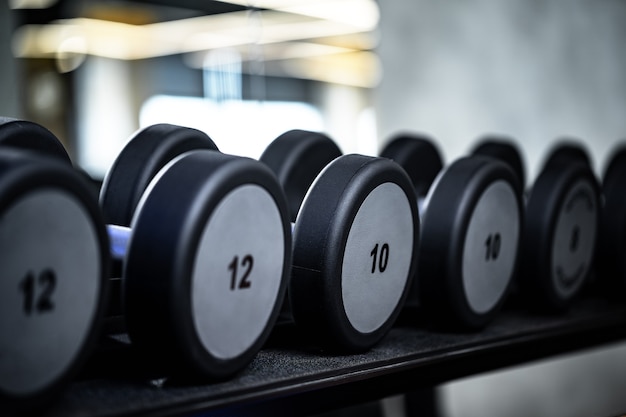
[(492, 246), (381, 259)]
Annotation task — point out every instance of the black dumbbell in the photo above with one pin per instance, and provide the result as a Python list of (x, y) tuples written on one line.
[(54, 267), (354, 241), (610, 257), (471, 229), (561, 223), (560, 232), (207, 254)]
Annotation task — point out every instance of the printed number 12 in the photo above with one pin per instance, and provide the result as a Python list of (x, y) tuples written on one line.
[(46, 281), (246, 262)]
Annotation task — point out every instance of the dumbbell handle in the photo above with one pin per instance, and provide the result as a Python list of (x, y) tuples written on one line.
[(420, 204), (119, 237)]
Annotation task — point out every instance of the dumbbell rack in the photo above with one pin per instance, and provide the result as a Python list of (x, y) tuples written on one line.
[(288, 377)]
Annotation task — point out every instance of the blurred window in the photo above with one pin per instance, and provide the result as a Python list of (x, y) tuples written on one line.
[(237, 127)]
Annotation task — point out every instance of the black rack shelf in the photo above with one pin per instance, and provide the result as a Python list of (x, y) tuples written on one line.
[(288, 377)]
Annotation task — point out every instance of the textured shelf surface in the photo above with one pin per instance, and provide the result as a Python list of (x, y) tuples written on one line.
[(290, 377)]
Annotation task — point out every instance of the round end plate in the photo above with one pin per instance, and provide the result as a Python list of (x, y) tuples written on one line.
[(560, 235), (54, 273), (213, 294), (142, 158), (470, 242), (490, 247), (354, 244), (244, 235)]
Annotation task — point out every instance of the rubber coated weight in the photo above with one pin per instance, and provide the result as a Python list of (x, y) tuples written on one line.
[(53, 273), (559, 235), (29, 136), (612, 242), (207, 263), (419, 157), (297, 157), (567, 152), (353, 255), (505, 150), (148, 151), (471, 230)]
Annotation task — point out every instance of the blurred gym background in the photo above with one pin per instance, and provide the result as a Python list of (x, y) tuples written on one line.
[(244, 71)]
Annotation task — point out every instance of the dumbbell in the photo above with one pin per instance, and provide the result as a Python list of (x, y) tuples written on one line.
[(207, 253), (355, 236), (471, 230), (561, 229), (560, 226), (612, 241), (54, 267)]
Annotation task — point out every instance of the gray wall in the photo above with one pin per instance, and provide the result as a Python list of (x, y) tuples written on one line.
[(535, 70)]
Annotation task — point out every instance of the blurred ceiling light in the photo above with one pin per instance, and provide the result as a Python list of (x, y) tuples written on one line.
[(288, 30), (71, 53), (359, 40), (293, 50), (124, 41), (101, 38), (275, 30), (275, 52), (31, 4), (313, 61), (358, 69)]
